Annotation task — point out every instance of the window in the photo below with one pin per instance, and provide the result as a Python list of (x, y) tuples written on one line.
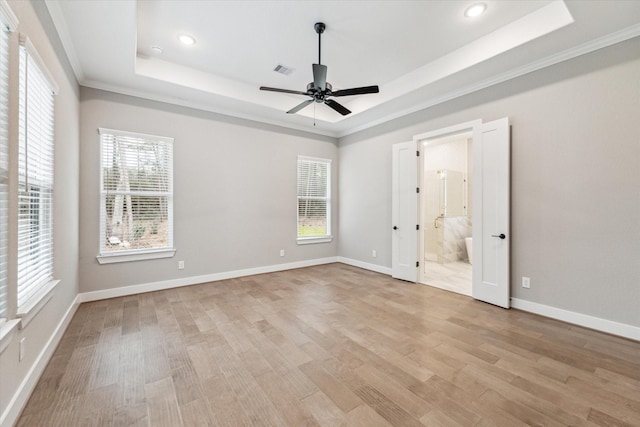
[(136, 198), (35, 176), (314, 200), (4, 165)]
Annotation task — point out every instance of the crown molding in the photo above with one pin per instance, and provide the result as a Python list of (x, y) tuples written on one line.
[(63, 32)]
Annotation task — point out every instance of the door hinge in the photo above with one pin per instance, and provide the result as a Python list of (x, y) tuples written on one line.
[(417, 263), (417, 189), (417, 226), (418, 153)]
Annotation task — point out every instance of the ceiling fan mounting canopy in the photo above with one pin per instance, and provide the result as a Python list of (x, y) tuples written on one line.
[(319, 90)]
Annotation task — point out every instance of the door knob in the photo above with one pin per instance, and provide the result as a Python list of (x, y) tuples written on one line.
[(501, 235), (395, 227)]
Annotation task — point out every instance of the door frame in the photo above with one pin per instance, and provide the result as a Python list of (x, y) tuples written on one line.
[(473, 126)]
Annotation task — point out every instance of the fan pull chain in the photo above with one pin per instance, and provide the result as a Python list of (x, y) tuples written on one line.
[(314, 114)]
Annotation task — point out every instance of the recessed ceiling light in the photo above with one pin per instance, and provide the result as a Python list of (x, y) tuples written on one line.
[(475, 10), (156, 49), (185, 39)]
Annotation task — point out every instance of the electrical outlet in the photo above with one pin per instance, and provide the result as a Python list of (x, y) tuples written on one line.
[(526, 282), (21, 349), (374, 253), (281, 252), (180, 265)]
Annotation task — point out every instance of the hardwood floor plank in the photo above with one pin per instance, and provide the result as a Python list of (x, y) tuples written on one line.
[(201, 359), (364, 416), (105, 367), (223, 404), (326, 413), (435, 418), (253, 400), (130, 317), (342, 396), (329, 345), (602, 419), (75, 380), (521, 412), (162, 403), (289, 407), (386, 385), (196, 413), (156, 363)]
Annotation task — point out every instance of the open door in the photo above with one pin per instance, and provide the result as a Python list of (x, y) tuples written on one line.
[(491, 201), (404, 212)]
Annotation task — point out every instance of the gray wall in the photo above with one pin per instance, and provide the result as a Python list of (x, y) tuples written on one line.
[(36, 24), (575, 181), (234, 190)]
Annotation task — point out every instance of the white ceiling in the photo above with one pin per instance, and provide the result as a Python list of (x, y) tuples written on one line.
[(420, 53)]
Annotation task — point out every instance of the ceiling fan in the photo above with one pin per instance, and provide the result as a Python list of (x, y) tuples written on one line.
[(319, 89)]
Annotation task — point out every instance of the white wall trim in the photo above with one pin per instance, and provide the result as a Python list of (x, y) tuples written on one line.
[(603, 325), (194, 280), (22, 394), (55, 11), (365, 265), (10, 19)]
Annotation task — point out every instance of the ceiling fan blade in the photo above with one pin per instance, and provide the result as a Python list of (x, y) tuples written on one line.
[(300, 106), (320, 76), (273, 89), (356, 91), (338, 107)]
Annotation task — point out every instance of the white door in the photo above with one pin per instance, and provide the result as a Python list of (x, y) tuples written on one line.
[(491, 173), (404, 212)]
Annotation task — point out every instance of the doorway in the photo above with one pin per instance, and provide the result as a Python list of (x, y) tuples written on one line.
[(490, 198), (446, 212)]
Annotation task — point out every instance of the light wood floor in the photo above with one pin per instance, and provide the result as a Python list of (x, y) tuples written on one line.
[(330, 345)]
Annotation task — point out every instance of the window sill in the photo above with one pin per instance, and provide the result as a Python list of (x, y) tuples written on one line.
[(135, 256), (7, 329), (28, 311), (313, 240)]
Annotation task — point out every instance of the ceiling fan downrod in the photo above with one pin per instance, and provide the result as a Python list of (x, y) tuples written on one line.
[(319, 26)]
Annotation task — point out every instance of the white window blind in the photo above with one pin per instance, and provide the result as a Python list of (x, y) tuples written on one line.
[(136, 197), (35, 177), (314, 197), (4, 165)]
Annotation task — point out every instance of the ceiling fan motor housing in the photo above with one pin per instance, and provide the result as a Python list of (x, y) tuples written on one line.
[(319, 95)]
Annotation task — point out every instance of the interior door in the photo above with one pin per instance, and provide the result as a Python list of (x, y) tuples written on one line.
[(491, 214), (404, 212)]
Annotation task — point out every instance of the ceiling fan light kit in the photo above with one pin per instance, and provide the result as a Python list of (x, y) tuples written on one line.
[(319, 90)]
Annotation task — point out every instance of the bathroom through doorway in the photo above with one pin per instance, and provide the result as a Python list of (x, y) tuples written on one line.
[(446, 210)]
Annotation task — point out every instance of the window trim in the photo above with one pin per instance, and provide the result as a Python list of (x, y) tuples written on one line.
[(327, 238), (135, 254), (28, 310), (31, 50), (138, 255), (44, 291), (9, 23)]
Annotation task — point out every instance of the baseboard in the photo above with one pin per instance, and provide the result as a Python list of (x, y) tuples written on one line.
[(365, 265), (22, 394), (603, 325), (194, 280)]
